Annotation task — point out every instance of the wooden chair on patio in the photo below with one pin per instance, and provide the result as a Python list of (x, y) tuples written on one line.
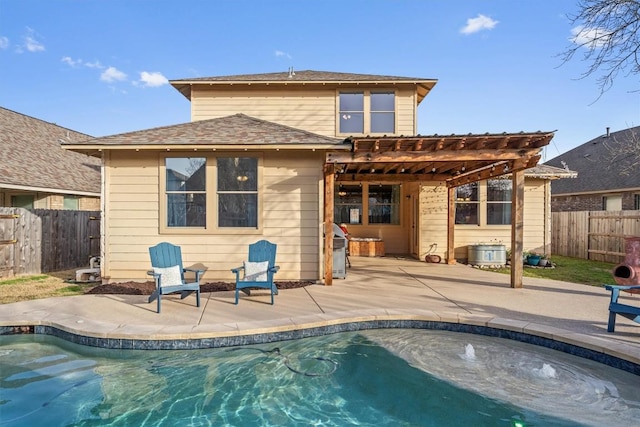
[(168, 273), (258, 270), (629, 311)]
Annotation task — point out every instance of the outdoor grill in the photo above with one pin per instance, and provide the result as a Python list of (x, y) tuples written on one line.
[(628, 272)]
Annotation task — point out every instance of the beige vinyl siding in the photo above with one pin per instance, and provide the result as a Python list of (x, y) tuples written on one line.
[(535, 224), (433, 220), (289, 193), (311, 109)]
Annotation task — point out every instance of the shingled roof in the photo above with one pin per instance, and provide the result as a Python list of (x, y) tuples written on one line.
[(599, 165), (306, 77), (229, 131), (31, 157)]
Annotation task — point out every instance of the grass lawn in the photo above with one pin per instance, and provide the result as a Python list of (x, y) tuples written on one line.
[(25, 288), (594, 273)]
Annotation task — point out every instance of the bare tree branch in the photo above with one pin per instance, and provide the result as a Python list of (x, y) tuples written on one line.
[(607, 32)]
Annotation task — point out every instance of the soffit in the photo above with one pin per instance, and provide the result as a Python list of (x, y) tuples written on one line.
[(455, 159)]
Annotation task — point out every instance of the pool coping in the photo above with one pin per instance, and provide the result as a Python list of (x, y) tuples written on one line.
[(612, 353)]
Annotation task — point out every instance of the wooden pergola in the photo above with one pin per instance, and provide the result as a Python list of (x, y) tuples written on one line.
[(454, 160)]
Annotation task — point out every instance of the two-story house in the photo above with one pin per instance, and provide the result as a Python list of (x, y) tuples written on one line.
[(281, 156)]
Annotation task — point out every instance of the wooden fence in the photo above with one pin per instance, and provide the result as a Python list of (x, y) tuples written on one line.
[(43, 240), (594, 235)]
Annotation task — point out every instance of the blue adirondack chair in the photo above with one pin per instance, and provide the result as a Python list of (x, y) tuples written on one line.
[(258, 271), (629, 311), (168, 273)]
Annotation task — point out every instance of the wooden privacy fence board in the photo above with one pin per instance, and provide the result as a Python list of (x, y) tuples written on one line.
[(47, 240), (594, 235)]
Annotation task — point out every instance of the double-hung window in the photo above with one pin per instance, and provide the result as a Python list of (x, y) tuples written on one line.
[(383, 112), (237, 192), (351, 112), (499, 201), (209, 192), (467, 202), (186, 191), (364, 112), (484, 203)]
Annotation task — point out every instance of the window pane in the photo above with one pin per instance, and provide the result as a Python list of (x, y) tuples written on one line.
[(352, 123), (22, 201), (498, 213), (383, 122), (383, 102), (384, 204), (348, 204), (186, 210), (238, 210), (185, 174), (237, 174), (467, 192), (467, 213), (71, 203), (352, 102), (499, 190)]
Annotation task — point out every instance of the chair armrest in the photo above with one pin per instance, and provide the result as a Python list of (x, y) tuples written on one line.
[(275, 268), (237, 269), (622, 288), (153, 273)]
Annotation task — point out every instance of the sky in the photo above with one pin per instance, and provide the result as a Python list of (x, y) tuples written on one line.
[(102, 67)]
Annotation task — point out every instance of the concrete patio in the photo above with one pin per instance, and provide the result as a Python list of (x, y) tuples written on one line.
[(386, 288)]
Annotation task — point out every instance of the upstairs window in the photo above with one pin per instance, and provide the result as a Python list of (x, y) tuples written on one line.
[(383, 113), (352, 112), (367, 112)]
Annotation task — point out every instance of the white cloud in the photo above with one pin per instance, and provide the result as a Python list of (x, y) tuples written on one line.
[(112, 74), (80, 63), (591, 38), (154, 79), (281, 54), (478, 23), (70, 61), (30, 42), (4, 42), (96, 64)]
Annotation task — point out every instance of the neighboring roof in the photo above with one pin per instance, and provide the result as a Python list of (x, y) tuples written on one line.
[(305, 77), (31, 157), (549, 172), (238, 130), (600, 165)]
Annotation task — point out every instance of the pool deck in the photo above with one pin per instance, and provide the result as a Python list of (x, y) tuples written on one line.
[(381, 288)]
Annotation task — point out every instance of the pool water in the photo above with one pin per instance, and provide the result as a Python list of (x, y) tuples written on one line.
[(389, 377)]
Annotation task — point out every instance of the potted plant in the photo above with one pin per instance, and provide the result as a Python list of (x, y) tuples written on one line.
[(533, 259), (544, 260)]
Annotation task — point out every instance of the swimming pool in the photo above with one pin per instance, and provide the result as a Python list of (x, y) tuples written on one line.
[(397, 377)]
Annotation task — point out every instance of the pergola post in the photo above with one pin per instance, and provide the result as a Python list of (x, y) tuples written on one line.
[(517, 232), (451, 225), (329, 183)]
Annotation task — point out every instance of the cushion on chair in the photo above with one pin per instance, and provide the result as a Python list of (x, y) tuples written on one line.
[(170, 276), (255, 271)]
